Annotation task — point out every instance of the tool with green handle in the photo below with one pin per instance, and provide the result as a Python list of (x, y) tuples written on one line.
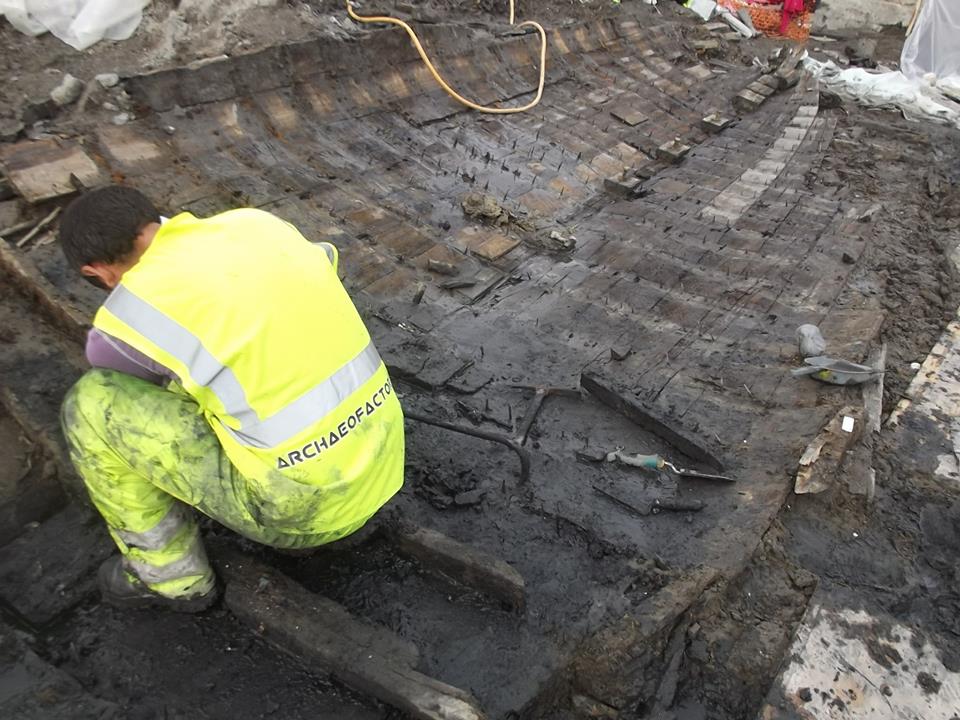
[(656, 462)]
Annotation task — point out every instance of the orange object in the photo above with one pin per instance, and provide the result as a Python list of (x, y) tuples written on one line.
[(768, 19)]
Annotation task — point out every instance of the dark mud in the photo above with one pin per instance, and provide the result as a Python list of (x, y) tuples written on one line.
[(897, 555), (164, 666), (721, 657)]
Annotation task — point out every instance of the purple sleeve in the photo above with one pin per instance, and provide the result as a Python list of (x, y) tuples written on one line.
[(106, 351)]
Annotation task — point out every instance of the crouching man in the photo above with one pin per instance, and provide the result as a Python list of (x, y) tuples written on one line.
[(231, 374)]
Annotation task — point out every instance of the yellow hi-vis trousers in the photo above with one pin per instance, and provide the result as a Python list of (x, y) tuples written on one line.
[(145, 454)]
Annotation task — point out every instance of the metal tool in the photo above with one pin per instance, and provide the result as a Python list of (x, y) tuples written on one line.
[(482, 434), (541, 392), (657, 462)]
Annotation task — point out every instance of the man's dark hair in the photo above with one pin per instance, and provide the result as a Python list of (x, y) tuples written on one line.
[(101, 225)]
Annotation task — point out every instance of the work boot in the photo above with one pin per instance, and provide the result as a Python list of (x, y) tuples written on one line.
[(120, 589)]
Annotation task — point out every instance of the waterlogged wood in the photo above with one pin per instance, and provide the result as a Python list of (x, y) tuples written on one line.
[(464, 563), (329, 639)]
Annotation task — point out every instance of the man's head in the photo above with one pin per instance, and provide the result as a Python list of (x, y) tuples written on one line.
[(104, 232)]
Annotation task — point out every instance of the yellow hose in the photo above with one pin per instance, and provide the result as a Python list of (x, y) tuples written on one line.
[(436, 75)]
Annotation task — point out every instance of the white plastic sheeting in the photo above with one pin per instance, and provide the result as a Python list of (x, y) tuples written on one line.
[(934, 44), (927, 87), (915, 97), (79, 23)]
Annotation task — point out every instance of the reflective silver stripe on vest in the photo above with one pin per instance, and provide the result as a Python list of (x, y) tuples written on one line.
[(313, 405), (329, 250), (193, 563), (160, 535), (295, 417), (174, 339)]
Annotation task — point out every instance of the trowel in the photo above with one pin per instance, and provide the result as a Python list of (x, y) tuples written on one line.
[(657, 462)]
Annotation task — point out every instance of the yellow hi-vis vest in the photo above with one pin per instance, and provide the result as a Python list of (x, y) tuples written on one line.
[(255, 323)]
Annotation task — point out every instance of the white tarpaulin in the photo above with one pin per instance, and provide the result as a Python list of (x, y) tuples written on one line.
[(934, 44), (927, 86), (916, 98), (79, 23)]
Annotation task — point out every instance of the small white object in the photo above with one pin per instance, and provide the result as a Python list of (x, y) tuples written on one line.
[(810, 341), (856, 535), (847, 424), (703, 8), (107, 80), (914, 366), (67, 91), (121, 118)]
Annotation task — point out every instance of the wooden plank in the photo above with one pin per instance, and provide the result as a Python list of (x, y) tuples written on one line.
[(29, 489), (44, 169), (464, 563), (24, 274), (820, 462), (327, 638), (52, 568), (601, 389), (32, 688)]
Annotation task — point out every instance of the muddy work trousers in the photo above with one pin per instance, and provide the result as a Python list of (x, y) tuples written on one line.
[(147, 455)]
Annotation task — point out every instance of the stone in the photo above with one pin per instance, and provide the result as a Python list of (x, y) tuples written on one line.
[(107, 80), (67, 91), (121, 118), (10, 129)]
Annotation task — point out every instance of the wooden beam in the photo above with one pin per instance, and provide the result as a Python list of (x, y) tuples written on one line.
[(328, 638), (465, 564)]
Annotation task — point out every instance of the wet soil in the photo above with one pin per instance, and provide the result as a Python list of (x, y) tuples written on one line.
[(169, 666), (903, 558), (898, 554)]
